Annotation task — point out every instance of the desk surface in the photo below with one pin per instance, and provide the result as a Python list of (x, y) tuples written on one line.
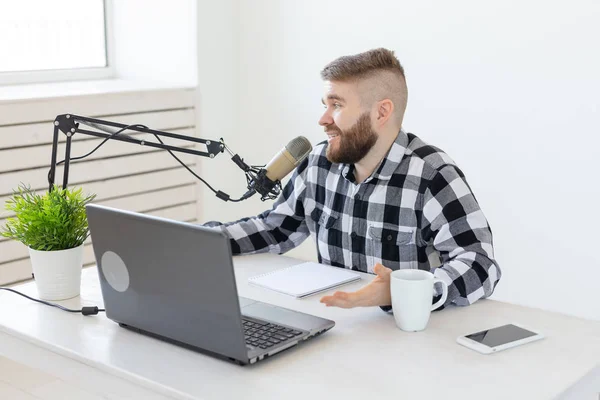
[(364, 355)]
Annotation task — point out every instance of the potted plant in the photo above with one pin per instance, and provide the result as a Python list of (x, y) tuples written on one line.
[(54, 227)]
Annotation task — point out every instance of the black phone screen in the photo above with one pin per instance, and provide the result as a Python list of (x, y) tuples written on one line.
[(501, 335)]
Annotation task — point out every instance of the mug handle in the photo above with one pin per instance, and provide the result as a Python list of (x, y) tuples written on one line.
[(444, 293)]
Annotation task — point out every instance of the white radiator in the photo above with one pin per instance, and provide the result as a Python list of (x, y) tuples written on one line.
[(123, 175)]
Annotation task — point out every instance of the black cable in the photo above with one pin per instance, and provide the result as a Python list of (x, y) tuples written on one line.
[(186, 167), (104, 141), (90, 310)]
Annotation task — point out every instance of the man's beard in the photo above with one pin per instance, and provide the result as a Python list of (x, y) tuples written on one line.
[(353, 143)]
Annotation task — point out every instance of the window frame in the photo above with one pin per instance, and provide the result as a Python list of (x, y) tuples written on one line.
[(74, 74)]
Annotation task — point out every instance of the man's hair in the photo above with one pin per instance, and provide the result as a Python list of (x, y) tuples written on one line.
[(379, 76)]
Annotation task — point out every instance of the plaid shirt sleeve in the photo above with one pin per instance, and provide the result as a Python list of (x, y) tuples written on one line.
[(277, 230), (452, 219)]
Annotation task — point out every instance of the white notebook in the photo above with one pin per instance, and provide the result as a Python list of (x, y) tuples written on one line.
[(304, 279)]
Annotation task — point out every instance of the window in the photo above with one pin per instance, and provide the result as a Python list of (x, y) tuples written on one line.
[(42, 40)]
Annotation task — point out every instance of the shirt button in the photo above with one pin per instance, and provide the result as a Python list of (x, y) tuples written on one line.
[(389, 237), (353, 235), (357, 197)]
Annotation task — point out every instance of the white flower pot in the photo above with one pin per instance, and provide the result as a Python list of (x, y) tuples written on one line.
[(57, 273)]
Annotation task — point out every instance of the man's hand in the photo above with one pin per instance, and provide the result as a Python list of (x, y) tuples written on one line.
[(376, 293)]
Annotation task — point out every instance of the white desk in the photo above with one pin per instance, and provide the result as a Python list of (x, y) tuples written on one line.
[(365, 355)]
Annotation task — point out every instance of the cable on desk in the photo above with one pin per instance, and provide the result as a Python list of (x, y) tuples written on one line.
[(89, 310)]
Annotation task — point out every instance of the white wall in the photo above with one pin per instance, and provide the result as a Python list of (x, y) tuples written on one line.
[(155, 41), (509, 89), (218, 104)]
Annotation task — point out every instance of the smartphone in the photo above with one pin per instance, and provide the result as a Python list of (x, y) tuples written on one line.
[(499, 338)]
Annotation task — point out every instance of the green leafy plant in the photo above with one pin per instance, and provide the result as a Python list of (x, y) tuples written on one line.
[(55, 220)]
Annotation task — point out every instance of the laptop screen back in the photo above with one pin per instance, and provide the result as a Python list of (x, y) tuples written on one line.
[(169, 278)]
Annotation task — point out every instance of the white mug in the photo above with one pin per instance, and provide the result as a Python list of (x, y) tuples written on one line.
[(412, 291)]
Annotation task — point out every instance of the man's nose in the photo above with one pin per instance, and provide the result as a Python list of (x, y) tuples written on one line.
[(325, 119)]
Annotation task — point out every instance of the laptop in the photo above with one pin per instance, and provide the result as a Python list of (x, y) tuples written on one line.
[(175, 281)]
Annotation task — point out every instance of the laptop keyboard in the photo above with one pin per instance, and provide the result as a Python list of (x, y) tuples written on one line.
[(265, 335)]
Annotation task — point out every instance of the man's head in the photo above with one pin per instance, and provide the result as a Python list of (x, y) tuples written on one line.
[(365, 99)]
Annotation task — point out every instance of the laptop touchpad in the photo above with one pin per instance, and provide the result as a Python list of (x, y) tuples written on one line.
[(282, 316), (244, 302)]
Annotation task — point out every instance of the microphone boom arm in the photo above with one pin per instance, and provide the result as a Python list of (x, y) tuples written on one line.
[(69, 125)]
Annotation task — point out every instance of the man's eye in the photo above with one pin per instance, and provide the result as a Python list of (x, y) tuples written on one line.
[(337, 105)]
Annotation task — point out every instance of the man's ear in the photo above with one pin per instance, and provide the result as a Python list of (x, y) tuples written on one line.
[(384, 111)]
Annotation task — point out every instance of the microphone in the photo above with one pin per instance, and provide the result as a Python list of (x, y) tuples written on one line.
[(268, 180)]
